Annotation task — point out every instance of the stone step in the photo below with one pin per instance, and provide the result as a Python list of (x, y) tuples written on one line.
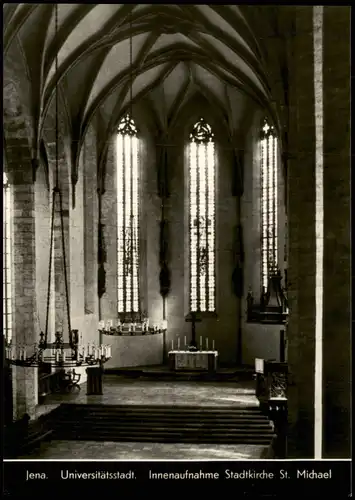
[(165, 438), (151, 420), (162, 423), (253, 411), (205, 426)]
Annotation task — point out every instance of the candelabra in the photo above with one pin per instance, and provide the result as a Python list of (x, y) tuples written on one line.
[(108, 328), (57, 353)]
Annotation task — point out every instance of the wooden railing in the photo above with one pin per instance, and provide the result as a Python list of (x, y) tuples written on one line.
[(271, 391)]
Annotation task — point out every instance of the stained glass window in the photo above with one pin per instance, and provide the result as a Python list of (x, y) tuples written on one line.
[(7, 259), (128, 265), (202, 218), (269, 202)]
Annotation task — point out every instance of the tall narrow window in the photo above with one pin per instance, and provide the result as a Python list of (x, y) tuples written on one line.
[(268, 174), (7, 259), (128, 292), (202, 218)]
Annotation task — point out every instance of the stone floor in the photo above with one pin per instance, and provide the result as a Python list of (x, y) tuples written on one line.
[(122, 390), (91, 450)]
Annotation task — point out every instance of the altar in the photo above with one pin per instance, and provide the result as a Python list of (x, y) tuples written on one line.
[(193, 360)]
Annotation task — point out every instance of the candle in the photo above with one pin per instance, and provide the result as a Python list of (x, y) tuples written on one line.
[(213, 345), (185, 340), (56, 356), (24, 354), (172, 345), (178, 343), (63, 356), (200, 343), (207, 344)]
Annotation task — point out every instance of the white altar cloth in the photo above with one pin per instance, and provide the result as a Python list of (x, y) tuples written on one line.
[(194, 360)]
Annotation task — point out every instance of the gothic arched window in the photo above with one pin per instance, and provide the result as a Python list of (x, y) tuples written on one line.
[(202, 218), (7, 259), (128, 263), (269, 201)]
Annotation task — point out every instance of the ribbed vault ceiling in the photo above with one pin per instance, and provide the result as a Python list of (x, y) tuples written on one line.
[(176, 50)]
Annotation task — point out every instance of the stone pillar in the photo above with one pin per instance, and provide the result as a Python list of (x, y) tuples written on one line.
[(25, 322), (336, 319), (302, 244)]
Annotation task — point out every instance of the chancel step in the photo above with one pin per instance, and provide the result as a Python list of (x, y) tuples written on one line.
[(164, 373), (179, 424)]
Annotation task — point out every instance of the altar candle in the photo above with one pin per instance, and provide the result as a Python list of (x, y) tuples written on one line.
[(56, 356), (24, 353), (63, 356), (178, 343), (109, 351), (200, 343), (172, 345), (185, 340), (213, 345), (207, 344)]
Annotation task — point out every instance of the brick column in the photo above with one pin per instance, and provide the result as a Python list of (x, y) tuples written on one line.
[(336, 322), (302, 248), (25, 322)]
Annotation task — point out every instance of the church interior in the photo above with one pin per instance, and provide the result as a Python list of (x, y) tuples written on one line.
[(176, 230)]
